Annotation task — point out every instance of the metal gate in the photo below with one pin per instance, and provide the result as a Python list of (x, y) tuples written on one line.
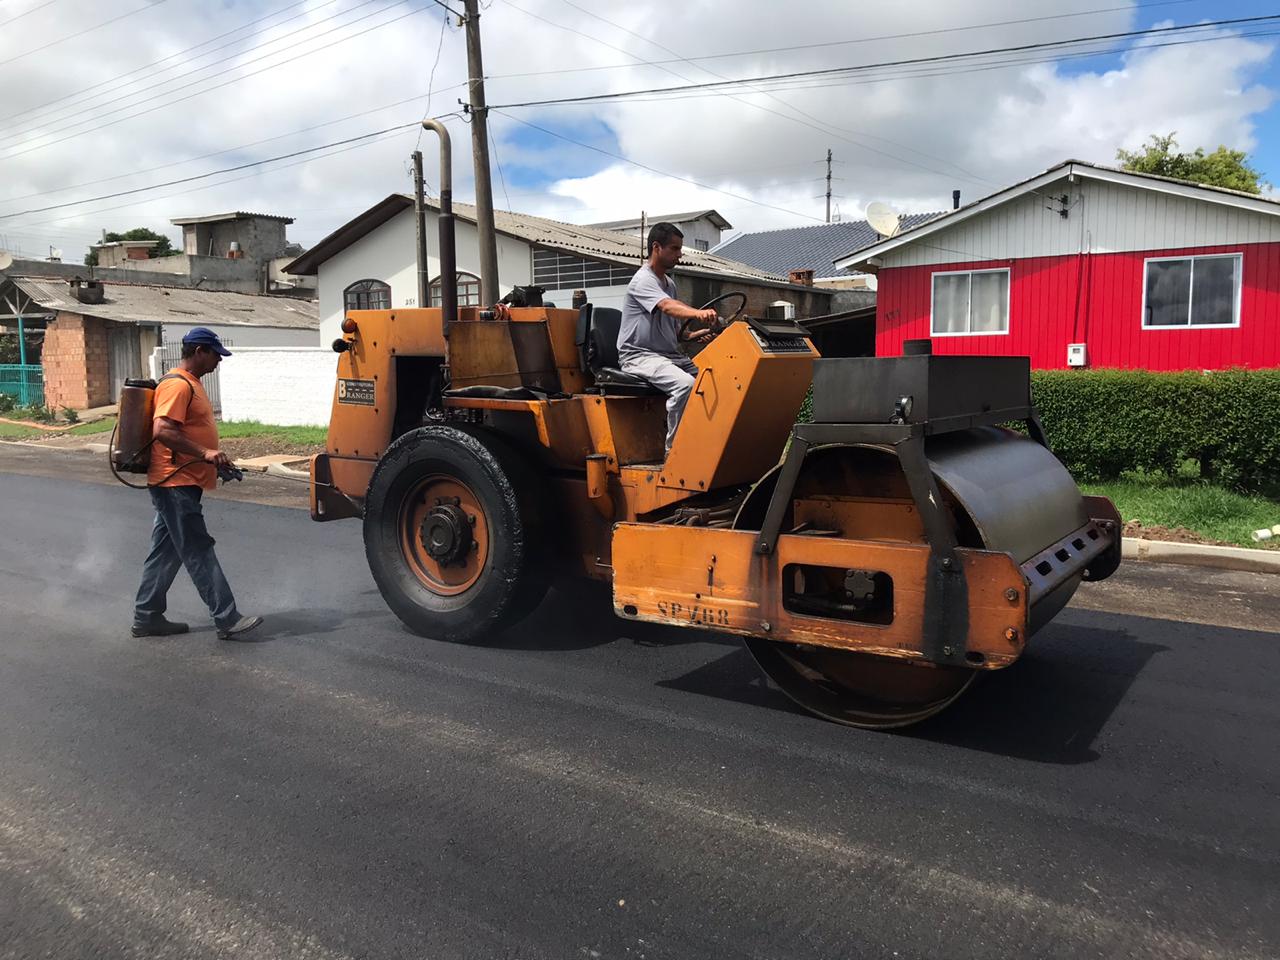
[(124, 357), (166, 356)]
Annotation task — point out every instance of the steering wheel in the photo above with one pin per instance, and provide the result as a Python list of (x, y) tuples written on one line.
[(687, 331)]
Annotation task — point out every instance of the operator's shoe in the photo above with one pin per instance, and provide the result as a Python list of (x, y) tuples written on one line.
[(238, 629), (157, 627)]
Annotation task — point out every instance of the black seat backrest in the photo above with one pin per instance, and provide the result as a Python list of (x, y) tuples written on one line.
[(605, 324)]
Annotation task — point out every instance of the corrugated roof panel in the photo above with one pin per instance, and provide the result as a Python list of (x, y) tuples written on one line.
[(809, 248)]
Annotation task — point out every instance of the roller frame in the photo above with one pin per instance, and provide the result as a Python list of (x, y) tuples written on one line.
[(946, 602)]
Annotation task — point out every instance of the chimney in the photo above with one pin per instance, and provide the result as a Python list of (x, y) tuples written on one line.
[(955, 199), (88, 291), (802, 277)]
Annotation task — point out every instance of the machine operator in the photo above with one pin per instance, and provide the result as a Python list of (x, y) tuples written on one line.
[(648, 340)]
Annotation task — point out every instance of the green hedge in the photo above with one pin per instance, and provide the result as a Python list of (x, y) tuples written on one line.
[(1103, 423)]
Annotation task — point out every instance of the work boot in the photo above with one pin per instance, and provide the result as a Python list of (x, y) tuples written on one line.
[(157, 627), (238, 629)]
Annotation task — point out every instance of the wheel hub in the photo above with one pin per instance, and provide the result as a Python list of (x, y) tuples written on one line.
[(446, 534)]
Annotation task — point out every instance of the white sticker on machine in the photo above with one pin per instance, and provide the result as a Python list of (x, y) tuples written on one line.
[(359, 392)]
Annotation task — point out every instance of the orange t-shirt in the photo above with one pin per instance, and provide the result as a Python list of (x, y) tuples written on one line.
[(188, 404)]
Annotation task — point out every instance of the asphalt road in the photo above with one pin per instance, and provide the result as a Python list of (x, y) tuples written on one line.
[(587, 787)]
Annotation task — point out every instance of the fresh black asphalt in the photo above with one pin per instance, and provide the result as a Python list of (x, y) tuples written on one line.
[(586, 787)]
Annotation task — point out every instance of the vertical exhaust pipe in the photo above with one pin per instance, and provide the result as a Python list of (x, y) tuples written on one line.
[(955, 199), (448, 243)]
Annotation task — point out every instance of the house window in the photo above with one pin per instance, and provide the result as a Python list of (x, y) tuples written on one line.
[(1192, 291), (970, 303), (702, 245), (468, 290), (563, 271), (367, 295)]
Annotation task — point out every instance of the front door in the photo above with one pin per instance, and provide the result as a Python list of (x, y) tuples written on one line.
[(124, 353)]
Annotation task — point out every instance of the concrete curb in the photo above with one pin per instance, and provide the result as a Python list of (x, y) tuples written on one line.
[(1201, 555)]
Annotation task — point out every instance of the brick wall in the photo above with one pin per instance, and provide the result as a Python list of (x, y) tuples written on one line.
[(75, 360), (292, 386)]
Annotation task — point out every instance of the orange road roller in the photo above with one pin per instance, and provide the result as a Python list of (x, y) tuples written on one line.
[(876, 559)]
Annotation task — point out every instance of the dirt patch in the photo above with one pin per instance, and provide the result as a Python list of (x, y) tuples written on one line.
[(1155, 531), (244, 448)]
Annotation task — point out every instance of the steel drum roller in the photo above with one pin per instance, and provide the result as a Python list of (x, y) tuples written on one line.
[(1005, 493)]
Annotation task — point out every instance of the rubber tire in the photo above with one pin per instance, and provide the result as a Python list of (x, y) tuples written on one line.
[(516, 574)]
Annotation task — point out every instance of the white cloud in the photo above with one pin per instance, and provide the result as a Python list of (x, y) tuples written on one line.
[(908, 141)]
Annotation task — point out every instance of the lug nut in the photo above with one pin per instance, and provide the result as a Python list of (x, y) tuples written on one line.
[(1011, 595), (1011, 635), (946, 651), (766, 626)]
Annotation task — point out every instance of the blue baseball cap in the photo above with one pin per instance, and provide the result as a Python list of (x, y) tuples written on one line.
[(204, 337)]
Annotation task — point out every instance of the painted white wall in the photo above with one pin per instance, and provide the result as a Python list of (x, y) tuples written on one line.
[(292, 386), (388, 253), (1102, 217), (235, 335)]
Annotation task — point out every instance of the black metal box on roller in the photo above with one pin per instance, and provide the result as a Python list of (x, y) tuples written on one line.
[(918, 387)]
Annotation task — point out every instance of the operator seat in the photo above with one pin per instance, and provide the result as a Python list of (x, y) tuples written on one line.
[(597, 338)]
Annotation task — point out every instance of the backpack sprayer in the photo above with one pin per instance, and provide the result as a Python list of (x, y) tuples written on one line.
[(136, 433), (129, 450)]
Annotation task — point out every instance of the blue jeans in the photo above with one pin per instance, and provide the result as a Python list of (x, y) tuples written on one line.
[(180, 538)]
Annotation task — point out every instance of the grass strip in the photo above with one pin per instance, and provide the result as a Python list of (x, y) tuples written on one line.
[(12, 431), (302, 436), (1211, 511), (89, 429)]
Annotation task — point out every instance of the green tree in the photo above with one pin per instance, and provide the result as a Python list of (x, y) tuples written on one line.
[(163, 247), (1222, 168)]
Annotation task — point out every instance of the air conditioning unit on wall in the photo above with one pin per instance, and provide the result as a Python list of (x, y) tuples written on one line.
[(1077, 355)]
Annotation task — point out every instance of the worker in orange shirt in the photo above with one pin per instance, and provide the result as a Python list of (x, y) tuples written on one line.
[(185, 461)]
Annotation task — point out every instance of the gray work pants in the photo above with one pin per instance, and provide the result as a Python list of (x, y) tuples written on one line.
[(179, 538), (673, 377)]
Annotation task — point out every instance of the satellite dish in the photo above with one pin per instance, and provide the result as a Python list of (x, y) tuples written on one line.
[(6, 260), (883, 219)]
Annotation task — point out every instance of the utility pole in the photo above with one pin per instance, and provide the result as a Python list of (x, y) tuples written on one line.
[(420, 223), (828, 184), (480, 157)]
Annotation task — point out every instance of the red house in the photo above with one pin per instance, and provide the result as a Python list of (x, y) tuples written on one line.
[(1086, 265)]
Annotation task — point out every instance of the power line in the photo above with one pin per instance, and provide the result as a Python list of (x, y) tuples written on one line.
[(92, 113), (431, 80), (836, 43), (645, 166), (100, 88), (152, 4), (218, 153), (814, 123), (810, 121), (218, 86), (857, 68), (356, 146), (27, 13), (204, 176)]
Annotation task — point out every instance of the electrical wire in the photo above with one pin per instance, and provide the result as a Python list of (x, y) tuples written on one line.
[(661, 173), (501, 176), (103, 86), (839, 43), (218, 153), (856, 68), (27, 13), (218, 86), (152, 4), (431, 80)]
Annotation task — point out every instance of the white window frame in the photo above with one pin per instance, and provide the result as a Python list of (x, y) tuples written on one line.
[(1008, 299), (1238, 257)]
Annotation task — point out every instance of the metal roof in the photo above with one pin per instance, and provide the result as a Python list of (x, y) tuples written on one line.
[(860, 255), (237, 215), (634, 223), (139, 303), (809, 248), (592, 243)]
